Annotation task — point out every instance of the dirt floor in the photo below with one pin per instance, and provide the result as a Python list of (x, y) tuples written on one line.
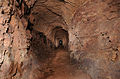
[(63, 69)]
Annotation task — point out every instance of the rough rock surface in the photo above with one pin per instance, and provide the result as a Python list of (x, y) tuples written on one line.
[(31, 32), (14, 41), (95, 38)]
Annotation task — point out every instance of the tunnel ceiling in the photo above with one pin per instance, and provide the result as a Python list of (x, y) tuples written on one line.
[(48, 14)]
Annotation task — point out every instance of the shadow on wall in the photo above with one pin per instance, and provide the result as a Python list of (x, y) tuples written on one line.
[(41, 46)]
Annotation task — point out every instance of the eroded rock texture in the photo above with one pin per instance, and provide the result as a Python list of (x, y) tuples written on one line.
[(14, 41), (59, 39), (95, 28)]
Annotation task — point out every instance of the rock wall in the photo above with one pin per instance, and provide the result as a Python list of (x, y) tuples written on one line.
[(94, 38), (14, 41)]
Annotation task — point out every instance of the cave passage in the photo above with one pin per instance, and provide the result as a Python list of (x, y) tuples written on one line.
[(54, 62), (60, 42), (49, 45), (59, 39)]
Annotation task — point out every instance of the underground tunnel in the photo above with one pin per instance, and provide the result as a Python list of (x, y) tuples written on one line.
[(59, 39)]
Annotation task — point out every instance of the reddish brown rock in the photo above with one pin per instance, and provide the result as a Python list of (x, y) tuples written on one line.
[(59, 39)]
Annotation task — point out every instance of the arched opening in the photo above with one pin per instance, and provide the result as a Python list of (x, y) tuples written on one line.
[(60, 42), (60, 37)]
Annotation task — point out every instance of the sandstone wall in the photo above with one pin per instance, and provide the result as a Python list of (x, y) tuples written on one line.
[(94, 38), (14, 40)]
